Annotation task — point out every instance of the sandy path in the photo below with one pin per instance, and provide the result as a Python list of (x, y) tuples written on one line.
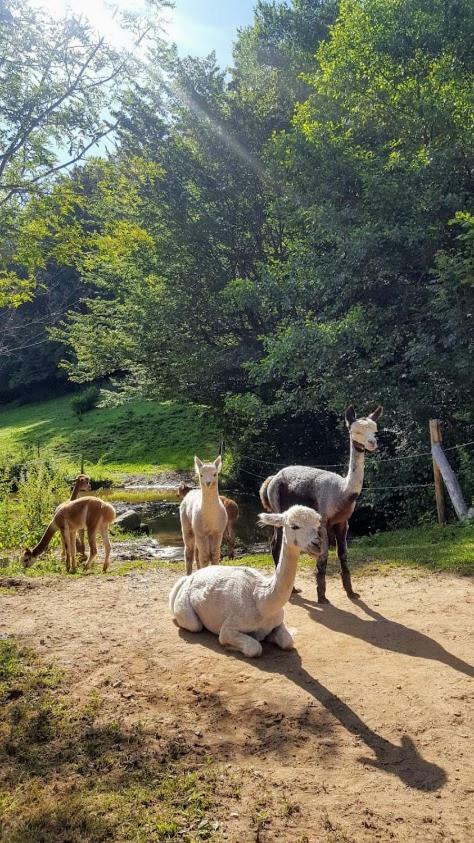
[(363, 733)]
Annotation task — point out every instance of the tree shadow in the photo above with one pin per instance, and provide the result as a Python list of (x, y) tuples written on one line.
[(403, 761), (381, 632)]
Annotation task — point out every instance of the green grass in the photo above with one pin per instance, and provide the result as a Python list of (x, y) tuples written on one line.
[(449, 548), (430, 548), (138, 437), (132, 496), (72, 773)]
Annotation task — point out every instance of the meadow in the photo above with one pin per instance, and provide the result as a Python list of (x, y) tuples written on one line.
[(141, 437)]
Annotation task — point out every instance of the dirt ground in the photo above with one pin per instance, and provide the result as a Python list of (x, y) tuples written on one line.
[(362, 733)]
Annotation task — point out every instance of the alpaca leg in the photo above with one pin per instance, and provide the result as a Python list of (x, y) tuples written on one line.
[(80, 545), (340, 531), (63, 551), (215, 541), (282, 637), (202, 552), (321, 566), (72, 550), (189, 556), (65, 544), (91, 535), (189, 550), (106, 541), (188, 541), (184, 613), (229, 536), (231, 637)]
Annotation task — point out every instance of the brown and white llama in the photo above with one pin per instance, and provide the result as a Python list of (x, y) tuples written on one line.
[(333, 496), (232, 510)]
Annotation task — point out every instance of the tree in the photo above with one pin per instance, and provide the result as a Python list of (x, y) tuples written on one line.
[(58, 84), (60, 88)]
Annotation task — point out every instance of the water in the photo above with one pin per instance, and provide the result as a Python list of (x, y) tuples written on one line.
[(163, 522)]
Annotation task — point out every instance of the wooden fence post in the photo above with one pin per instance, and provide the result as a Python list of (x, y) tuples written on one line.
[(82, 464), (441, 464), (436, 439)]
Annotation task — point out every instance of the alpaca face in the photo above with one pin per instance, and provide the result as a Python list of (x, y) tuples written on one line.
[(83, 482), (363, 430), (183, 490), (207, 472), (301, 527)]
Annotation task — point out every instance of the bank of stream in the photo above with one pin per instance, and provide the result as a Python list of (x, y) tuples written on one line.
[(160, 536)]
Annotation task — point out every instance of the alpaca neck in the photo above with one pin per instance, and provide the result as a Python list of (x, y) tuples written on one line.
[(75, 492), (283, 580), (355, 475), (44, 540), (210, 497)]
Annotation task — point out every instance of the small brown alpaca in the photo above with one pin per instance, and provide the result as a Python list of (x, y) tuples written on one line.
[(82, 483), (232, 511), (89, 514)]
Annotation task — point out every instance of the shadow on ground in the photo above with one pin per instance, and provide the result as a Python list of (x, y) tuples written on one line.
[(381, 632), (403, 761)]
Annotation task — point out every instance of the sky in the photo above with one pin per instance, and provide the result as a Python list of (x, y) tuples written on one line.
[(196, 26), (199, 26)]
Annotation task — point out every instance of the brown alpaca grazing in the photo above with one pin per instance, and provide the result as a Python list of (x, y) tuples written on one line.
[(232, 511), (82, 483), (89, 514)]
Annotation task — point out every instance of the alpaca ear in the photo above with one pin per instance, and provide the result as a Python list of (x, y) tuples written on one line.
[(271, 519), (218, 463), (350, 415), (198, 464), (377, 413)]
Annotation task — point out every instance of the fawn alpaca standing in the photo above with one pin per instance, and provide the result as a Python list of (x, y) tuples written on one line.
[(241, 605), (232, 511), (330, 494), (89, 514), (203, 517)]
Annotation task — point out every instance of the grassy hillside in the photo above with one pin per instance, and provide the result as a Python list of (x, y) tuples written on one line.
[(139, 437)]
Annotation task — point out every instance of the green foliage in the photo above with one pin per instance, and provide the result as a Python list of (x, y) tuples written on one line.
[(136, 437), (86, 400), (58, 106), (285, 242), (41, 486)]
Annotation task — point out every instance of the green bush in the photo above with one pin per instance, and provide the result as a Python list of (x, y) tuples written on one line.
[(25, 515), (87, 400)]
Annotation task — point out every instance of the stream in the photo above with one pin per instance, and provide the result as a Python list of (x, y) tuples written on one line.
[(164, 540)]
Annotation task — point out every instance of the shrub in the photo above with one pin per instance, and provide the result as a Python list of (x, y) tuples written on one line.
[(86, 400), (24, 516)]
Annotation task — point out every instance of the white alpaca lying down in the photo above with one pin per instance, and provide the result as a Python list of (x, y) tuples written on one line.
[(241, 605)]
